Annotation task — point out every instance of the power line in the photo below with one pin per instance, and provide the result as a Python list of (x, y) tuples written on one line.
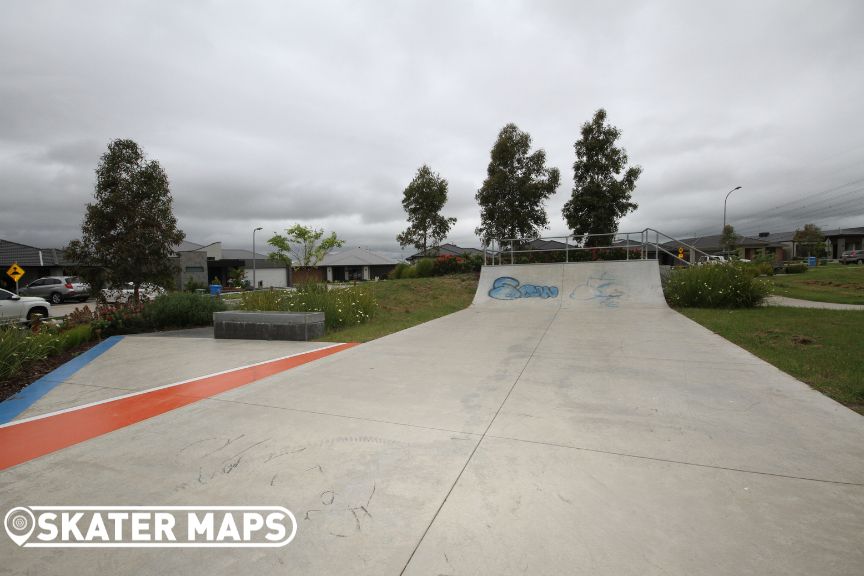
[(810, 199), (827, 203), (845, 207)]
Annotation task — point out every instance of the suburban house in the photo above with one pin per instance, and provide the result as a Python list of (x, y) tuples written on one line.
[(747, 247), (200, 264), (445, 250), (779, 245), (843, 239), (355, 264), (36, 262)]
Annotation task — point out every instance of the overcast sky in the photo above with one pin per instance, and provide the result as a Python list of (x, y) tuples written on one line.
[(270, 113)]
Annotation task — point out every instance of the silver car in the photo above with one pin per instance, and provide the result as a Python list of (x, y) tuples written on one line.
[(57, 289), (852, 256)]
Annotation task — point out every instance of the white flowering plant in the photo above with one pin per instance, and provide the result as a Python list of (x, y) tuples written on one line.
[(342, 306)]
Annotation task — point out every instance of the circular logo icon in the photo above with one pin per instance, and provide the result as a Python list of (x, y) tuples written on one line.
[(19, 523)]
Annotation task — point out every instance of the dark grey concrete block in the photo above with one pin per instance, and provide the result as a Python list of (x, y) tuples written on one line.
[(242, 325)]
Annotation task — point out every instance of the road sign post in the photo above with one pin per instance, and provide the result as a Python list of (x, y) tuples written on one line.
[(15, 272)]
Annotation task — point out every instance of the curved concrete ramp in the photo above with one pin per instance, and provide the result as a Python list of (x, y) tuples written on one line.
[(579, 285)]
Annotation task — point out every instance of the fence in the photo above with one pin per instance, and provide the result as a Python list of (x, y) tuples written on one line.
[(645, 244)]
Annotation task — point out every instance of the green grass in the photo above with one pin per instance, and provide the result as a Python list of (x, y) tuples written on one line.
[(831, 283), (408, 302), (823, 348)]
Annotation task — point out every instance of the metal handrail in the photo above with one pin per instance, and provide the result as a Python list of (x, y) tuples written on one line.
[(625, 242)]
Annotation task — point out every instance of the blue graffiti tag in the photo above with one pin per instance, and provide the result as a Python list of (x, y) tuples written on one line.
[(602, 288), (507, 288)]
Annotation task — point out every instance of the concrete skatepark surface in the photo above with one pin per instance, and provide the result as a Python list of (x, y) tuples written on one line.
[(583, 430)]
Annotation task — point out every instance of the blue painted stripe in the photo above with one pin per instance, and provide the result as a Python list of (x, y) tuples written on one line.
[(27, 396)]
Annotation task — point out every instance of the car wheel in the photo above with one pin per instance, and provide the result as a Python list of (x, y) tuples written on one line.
[(36, 313), (56, 298)]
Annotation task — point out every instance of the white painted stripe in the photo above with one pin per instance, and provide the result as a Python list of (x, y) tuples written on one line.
[(148, 390)]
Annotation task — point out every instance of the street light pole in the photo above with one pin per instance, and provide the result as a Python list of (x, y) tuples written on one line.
[(254, 261), (724, 205)]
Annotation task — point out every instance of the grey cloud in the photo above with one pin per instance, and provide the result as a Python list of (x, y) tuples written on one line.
[(266, 114)]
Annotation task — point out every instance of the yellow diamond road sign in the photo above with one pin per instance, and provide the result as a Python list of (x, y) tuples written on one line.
[(15, 271)]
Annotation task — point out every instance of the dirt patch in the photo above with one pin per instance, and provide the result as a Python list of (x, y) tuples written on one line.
[(843, 285), (36, 370), (857, 407), (768, 333), (802, 340)]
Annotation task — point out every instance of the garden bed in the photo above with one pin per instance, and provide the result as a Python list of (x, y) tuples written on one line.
[(39, 368)]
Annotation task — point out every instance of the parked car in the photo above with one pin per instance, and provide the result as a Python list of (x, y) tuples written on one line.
[(14, 308), (852, 256), (122, 293), (58, 289), (712, 259)]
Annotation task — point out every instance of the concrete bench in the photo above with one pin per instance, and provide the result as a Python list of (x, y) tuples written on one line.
[(243, 325)]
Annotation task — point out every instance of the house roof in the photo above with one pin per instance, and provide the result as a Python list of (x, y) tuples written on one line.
[(447, 249), (777, 237), (240, 254), (540, 244), (29, 255), (715, 242), (227, 253), (186, 246), (789, 235), (356, 257), (844, 232)]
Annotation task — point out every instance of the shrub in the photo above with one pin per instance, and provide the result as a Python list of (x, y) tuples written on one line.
[(342, 306), (764, 268), (113, 319), (409, 272), (473, 263), (79, 317), (397, 272), (76, 336), (192, 285), (795, 268), (715, 286), (425, 267), (181, 310), (448, 264)]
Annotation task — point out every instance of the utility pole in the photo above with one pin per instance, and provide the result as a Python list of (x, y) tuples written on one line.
[(724, 205), (254, 260)]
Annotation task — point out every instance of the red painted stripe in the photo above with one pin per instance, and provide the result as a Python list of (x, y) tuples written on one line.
[(34, 438)]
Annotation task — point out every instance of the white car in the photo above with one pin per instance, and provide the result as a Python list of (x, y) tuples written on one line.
[(14, 308), (122, 293)]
